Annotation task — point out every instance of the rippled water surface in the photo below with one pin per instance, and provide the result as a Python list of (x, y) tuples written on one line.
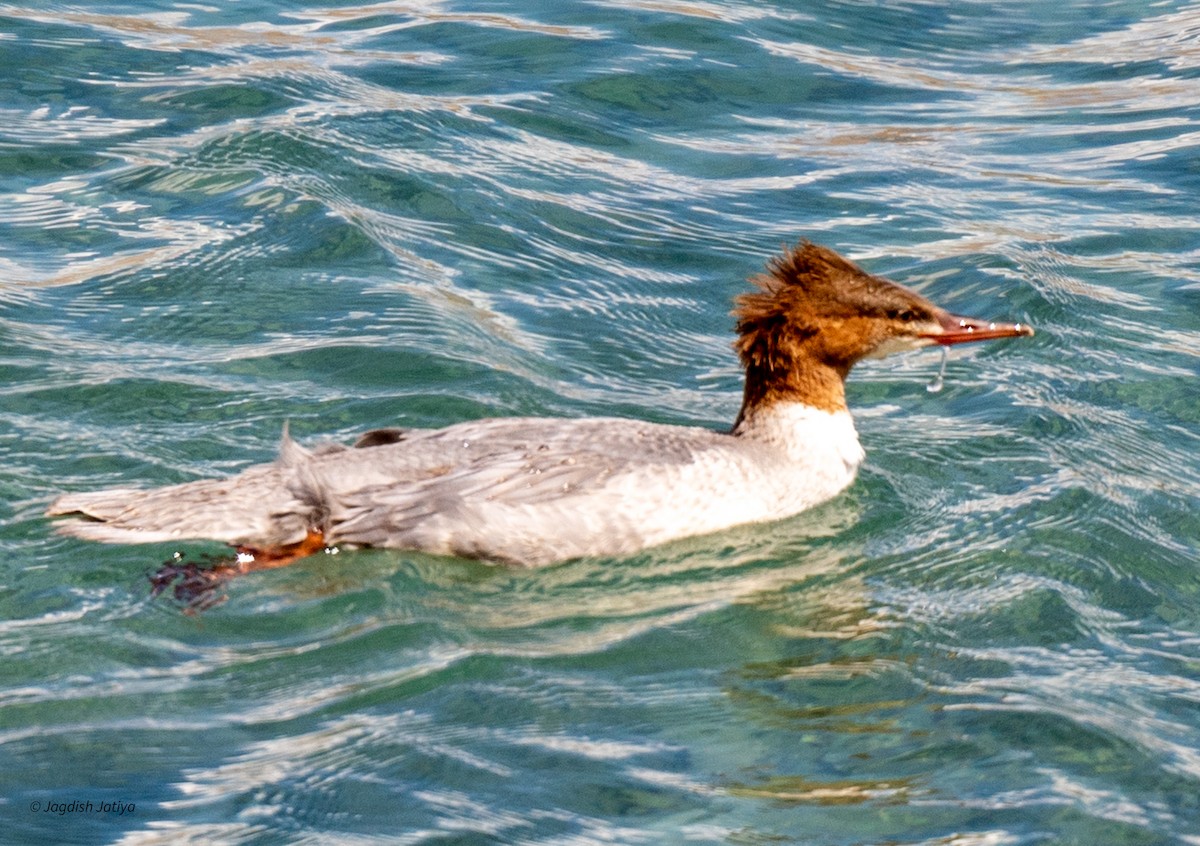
[(215, 218)]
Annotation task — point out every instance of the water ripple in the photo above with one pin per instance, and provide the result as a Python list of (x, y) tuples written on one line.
[(217, 219)]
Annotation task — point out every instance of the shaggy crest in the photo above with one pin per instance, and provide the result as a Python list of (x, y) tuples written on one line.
[(813, 316), (805, 287), (766, 327)]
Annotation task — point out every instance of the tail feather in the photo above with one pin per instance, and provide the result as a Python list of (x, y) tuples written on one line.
[(99, 505), (267, 506)]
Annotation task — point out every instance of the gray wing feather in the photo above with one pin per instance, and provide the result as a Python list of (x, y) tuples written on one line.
[(489, 488)]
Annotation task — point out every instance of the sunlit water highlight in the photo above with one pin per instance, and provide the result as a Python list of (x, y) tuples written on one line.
[(218, 219)]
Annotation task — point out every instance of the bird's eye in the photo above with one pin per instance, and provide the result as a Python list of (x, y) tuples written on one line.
[(905, 316)]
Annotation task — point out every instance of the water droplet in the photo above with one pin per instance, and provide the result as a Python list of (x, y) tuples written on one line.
[(939, 380)]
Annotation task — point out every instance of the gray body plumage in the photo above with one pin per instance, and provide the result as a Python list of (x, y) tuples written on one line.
[(521, 490)]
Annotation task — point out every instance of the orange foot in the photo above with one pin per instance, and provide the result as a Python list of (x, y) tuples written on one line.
[(196, 585), (250, 559)]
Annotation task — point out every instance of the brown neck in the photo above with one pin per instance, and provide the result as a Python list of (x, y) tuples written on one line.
[(814, 384)]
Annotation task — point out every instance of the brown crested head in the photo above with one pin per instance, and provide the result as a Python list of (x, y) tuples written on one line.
[(815, 314)]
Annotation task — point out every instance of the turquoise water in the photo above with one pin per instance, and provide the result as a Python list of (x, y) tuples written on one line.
[(213, 220)]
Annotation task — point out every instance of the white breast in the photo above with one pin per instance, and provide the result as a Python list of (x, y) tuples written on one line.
[(788, 459)]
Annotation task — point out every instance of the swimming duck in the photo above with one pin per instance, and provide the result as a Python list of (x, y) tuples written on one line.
[(531, 491)]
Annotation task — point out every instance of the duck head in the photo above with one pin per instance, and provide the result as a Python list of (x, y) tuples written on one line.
[(815, 314)]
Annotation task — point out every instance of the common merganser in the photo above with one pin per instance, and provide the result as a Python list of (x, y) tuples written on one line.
[(532, 491)]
